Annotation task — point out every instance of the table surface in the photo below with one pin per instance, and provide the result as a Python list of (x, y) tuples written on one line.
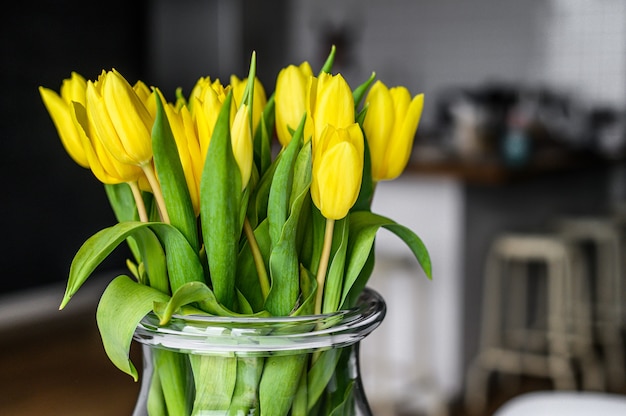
[(61, 369)]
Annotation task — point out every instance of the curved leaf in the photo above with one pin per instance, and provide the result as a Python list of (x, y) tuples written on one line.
[(183, 264), (92, 253), (199, 293), (363, 228), (122, 305)]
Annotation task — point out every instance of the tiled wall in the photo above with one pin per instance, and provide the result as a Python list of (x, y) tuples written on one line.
[(578, 45)]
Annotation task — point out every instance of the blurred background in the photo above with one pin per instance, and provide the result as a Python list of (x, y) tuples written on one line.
[(524, 125)]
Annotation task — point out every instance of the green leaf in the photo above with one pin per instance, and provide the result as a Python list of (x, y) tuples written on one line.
[(283, 268), (247, 277), (281, 186), (248, 92), (257, 211), (317, 231), (280, 382), (263, 138), (360, 91), (321, 373), (245, 398), (121, 199), (336, 271), (284, 256), (153, 259), (171, 368), (220, 208), (215, 378), (352, 292), (122, 305), (300, 401), (363, 228), (330, 60), (416, 245), (92, 253), (156, 400), (346, 406), (172, 178), (183, 264), (366, 193), (200, 294), (308, 288)]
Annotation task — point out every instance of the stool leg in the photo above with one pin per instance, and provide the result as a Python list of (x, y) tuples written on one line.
[(592, 373), (608, 314), (559, 360), (477, 379)]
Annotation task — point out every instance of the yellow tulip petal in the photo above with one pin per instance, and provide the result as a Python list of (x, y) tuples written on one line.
[(60, 113), (241, 137), (337, 170), (129, 116), (290, 99)]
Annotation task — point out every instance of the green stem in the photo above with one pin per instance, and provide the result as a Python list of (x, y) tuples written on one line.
[(141, 206), (323, 267), (156, 190), (258, 259)]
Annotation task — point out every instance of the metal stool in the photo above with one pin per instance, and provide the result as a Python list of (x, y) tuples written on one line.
[(605, 279), (522, 335)]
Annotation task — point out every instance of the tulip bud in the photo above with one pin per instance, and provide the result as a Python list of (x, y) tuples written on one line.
[(337, 170), (120, 118), (290, 100), (390, 125), (103, 165), (259, 100), (241, 139), (330, 102), (205, 104)]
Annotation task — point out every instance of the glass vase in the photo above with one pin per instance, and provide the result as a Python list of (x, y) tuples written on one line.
[(302, 365)]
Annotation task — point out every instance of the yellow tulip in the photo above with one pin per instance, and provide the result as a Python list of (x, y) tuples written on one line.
[(121, 119), (147, 97), (337, 170), (290, 100), (103, 165), (69, 115), (259, 100), (330, 102), (390, 125), (241, 139), (205, 104), (202, 86), (58, 106)]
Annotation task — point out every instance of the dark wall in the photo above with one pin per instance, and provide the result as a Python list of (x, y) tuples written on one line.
[(50, 205)]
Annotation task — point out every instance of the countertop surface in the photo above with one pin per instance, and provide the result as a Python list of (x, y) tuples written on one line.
[(59, 368)]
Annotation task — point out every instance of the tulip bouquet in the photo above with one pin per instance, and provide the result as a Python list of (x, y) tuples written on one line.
[(220, 219)]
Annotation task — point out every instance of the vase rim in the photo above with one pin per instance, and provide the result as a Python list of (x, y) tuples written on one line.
[(252, 336)]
